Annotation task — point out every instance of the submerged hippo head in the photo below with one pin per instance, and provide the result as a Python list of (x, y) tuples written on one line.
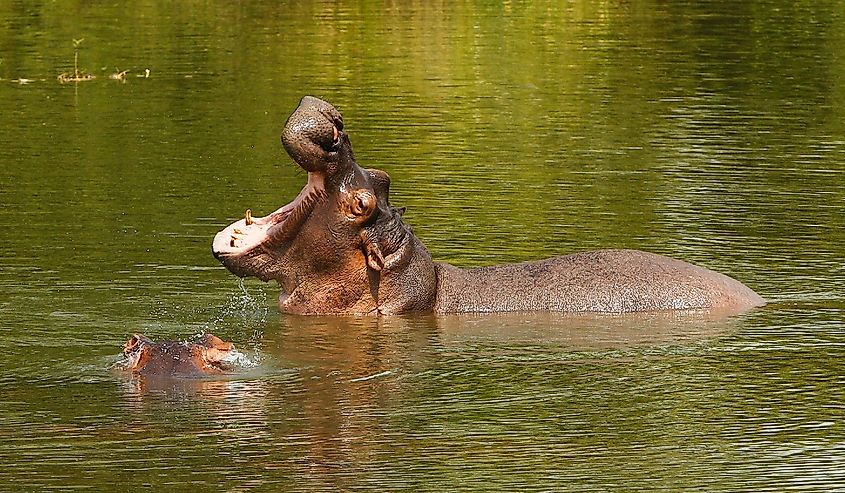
[(329, 248), (144, 357)]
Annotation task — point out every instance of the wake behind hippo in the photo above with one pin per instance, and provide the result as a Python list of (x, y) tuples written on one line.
[(341, 248)]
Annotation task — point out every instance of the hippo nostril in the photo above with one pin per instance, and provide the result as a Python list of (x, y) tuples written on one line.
[(327, 145)]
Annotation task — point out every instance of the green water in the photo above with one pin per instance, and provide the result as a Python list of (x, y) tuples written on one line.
[(709, 131)]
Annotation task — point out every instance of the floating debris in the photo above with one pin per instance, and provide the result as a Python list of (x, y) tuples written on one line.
[(119, 75), (77, 75)]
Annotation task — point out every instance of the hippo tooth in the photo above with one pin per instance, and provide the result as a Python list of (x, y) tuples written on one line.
[(248, 217)]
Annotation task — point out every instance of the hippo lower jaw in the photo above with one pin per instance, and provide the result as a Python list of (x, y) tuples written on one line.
[(249, 247)]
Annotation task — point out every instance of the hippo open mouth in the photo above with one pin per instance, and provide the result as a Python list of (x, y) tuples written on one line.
[(256, 246), (248, 247), (323, 244)]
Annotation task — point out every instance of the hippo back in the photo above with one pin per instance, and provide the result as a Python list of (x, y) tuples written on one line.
[(613, 281)]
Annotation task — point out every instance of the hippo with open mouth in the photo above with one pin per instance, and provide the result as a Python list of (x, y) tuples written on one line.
[(341, 248)]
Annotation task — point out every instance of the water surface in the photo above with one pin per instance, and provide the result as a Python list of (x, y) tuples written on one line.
[(709, 132)]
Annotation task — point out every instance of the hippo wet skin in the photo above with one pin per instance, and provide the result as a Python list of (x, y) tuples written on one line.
[(341, 248), (142, 356)]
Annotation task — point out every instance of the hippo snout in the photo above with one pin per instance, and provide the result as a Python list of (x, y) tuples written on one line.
[(313, 135)]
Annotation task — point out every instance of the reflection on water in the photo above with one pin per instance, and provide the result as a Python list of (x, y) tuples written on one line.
[(345, 403), (710, 131)]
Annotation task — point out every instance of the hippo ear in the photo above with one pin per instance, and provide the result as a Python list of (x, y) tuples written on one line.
[(380, 182), (372, 252), (211, 341), (132, 344), (135, 343)]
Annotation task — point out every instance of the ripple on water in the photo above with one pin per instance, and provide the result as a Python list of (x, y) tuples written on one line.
[(512, 131)]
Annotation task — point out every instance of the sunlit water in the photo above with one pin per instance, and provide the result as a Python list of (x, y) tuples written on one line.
[(711, 132)]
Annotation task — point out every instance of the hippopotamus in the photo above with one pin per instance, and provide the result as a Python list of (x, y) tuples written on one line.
[(207, 356), (340, 247)]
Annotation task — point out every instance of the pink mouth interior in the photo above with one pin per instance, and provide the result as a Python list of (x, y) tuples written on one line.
[(249, 232)]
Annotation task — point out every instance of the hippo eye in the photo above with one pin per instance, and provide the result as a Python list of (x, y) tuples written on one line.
[(361, 205)]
